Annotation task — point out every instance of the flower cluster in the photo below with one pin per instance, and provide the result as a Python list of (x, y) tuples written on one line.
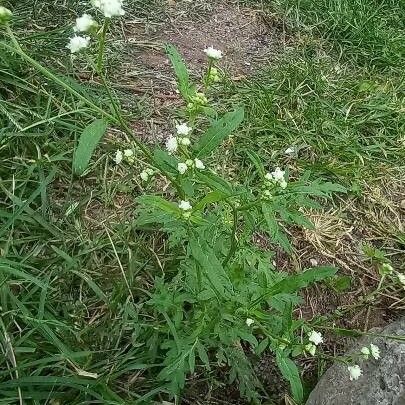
[(213, 75), (186, 207), (77, 43), (315, 338), (110, 8), (373, 350), (277, 177), (146, 174), (213, 53), (197, 163), (196, 102), (87, 24), (354, 370), (182, 138), (127, 155)]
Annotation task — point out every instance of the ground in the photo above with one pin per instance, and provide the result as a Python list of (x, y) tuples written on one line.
[(314, 77)]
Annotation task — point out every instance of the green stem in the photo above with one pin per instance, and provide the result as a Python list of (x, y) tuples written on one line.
[(100, 57), (234, 240), (207, 74)]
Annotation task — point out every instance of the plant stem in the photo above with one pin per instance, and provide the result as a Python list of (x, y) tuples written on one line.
[(234, 240), (207, 74), (100, 57)]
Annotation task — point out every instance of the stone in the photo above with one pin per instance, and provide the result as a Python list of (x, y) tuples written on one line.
[(382, 381)]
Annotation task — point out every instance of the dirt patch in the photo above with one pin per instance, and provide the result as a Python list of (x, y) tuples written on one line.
[(248, 37)]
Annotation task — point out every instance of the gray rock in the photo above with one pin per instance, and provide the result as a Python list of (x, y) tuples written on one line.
[(382, 381)]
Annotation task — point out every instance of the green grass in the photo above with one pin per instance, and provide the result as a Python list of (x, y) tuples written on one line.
[(369, 32), (74, 273)]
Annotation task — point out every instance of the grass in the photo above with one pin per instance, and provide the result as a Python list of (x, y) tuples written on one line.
[(75, 274)]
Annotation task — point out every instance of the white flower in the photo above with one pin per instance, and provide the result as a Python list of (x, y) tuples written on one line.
[(213, 53), (283, 184), (198, 164), (355, 372), (365, 351), (182, 167), (171, 144), (144, 176), (183, 129), (150, 171), (249, 322), (278, 174), (5, 14), (185, 141), (128, 152), (84, 23), (315, 337), (189, 163), (110, 8), (401, 278), (310, 348), (290, 151), (118, 157), (185, 205), (375, 351), (77, 43)]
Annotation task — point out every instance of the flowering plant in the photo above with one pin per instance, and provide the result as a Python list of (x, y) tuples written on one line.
[(221, 294)]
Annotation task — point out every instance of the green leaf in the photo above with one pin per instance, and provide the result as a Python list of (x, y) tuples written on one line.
[(300, 219), (340, 284), (218, 131), (160, 203), (210, 198), (191, 361), (6, 267), (165, 162), (187, 186), (211, 267), (290, 372), (255, 159), (183, 79), (262, 346), (202, 354), (88, 141), (296, 282), (276, 234), (215, 183)]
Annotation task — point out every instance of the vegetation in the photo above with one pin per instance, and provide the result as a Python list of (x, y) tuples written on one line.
[(129, 271)]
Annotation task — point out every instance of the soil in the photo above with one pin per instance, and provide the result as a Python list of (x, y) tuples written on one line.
[(247, 36)]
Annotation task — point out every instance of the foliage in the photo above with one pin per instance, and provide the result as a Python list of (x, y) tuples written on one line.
[(129, 310)]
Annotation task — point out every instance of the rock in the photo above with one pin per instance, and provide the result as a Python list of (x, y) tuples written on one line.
[(382, 382)]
